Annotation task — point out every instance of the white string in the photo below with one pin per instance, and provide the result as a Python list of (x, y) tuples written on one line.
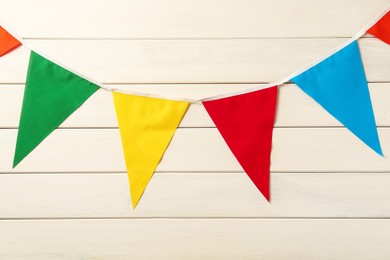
[(307, 66), (239, 92), (27, 46), (229, 94), (71, 70), (135, 93), (99, 84)]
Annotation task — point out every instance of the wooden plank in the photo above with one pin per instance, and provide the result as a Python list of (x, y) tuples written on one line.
[(200, 205), (295, 108), (200, 149), (206, 61), (195, 195), (190, 19), (195, 239)]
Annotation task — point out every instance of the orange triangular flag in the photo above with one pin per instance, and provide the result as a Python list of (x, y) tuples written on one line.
[(7, 42), (381, 29)]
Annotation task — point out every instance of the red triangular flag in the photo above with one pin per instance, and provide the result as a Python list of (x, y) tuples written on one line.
[(381, 29), (7, 42), (246, 123)]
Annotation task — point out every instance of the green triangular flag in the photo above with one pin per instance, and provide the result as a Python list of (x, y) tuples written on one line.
[(51, 95)]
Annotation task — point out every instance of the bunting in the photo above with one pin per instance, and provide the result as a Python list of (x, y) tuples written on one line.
[(245, 119), (339, 85), (381, 29), (7, 42), (51, 95), (146, 127), (246, 123)]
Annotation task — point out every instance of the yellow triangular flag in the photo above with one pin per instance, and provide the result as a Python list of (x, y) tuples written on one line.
[(146, 126)]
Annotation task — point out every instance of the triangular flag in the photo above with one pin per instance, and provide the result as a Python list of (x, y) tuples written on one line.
[(381, 29), (51, 95), (146, 127), (339, 85), (7, 42), (246, 123)]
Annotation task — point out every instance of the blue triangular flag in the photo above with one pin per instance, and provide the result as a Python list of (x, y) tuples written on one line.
[(339, 85)]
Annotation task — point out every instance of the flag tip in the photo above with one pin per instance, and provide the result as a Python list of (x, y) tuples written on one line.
[(266, 194), (15, 163), (135, 199), (134, 204), (380, 153), (378, 150)]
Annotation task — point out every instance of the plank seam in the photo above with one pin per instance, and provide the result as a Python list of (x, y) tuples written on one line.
[(191, 218)]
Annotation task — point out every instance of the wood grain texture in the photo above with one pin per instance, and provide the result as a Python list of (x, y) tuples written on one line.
[(205, 195), (206, 61), (197, 150), (195, 239), (70, 200), (295, 109), (188, 19)]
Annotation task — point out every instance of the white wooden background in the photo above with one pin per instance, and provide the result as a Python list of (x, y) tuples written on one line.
[(70, 200)]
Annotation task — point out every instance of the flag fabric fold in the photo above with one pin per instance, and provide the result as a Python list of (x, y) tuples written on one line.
[(381, 29), (7, 42), (146, 127), (51, 95), (339, 85), (246, 123)]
